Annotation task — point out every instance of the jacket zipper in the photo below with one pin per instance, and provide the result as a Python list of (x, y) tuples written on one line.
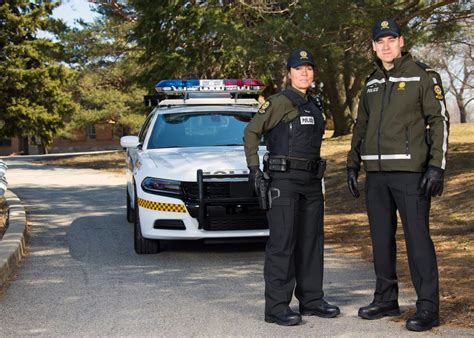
[(380, 125)]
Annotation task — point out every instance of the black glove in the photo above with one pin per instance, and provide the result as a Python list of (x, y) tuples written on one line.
[(432, 182), (255, 176), (352, 174)]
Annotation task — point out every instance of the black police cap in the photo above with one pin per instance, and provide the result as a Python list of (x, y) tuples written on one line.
[(387, 27), (300, 57)]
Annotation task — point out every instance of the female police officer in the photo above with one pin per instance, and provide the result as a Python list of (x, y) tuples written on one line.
[(294, 125)]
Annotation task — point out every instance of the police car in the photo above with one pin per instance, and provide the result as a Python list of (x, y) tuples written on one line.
[(186, 169)]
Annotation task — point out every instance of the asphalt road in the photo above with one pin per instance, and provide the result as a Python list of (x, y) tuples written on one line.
[(82, 276)]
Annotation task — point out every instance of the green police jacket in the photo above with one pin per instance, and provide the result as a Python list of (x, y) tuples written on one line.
[(402, 122)]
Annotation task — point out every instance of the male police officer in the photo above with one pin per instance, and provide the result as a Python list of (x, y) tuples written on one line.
[(401, 135), (294, 124)]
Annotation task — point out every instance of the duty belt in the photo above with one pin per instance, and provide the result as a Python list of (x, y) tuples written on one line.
[(283, 164)]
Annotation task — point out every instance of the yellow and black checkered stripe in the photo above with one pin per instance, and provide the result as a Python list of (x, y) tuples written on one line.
[(169, 207)]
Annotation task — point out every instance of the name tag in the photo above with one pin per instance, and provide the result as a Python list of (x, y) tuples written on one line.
[(306, 120)]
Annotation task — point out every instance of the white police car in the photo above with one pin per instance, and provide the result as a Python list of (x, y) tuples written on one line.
[(186, 170)]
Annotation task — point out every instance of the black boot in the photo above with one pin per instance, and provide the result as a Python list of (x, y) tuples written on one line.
[(285, 318), (423, 320), (323, 309), (377, 310)]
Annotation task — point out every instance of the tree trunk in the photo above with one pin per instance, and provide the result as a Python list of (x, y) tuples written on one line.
[(342, 122), (462, 110)]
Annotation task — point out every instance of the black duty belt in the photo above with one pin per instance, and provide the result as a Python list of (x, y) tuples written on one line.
[(283, 164)]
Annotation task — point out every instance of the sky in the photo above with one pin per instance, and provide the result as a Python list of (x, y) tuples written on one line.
[(71, 10)]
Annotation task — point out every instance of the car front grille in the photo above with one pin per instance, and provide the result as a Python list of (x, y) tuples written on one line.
[(235, 223), (228, 206), (214, 190)]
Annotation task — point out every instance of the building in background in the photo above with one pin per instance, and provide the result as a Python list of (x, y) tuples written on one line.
[(101, 136)]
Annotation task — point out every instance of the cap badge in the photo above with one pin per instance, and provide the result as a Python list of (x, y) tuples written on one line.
[(384, 25), (303, 55)]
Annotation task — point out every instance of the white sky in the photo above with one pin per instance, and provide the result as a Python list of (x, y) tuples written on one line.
[(72, 10)]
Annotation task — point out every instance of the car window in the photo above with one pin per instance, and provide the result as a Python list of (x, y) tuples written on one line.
[(144, 130), (199, 129)]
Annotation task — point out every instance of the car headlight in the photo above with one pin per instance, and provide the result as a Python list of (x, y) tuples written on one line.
[(161, 186)]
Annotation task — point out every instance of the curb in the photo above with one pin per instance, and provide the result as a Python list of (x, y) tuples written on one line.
[(13, 244)]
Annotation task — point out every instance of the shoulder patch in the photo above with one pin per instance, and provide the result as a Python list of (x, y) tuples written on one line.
[(263, 108), (438, 92)]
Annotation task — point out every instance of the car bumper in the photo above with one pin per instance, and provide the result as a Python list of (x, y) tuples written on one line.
[(160, 208)]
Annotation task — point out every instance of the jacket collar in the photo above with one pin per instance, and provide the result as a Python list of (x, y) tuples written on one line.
[(293, 89), (398, 64)]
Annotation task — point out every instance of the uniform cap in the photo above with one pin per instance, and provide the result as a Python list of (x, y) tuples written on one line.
[(299, 57), (386, 27)]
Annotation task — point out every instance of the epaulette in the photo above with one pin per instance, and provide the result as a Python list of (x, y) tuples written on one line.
[(425, 67)]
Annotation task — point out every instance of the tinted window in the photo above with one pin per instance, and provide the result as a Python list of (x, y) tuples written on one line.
[(199, 129), (144, 130)]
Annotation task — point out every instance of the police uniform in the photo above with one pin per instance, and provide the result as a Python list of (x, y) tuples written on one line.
[(401, 136), (294, 125)]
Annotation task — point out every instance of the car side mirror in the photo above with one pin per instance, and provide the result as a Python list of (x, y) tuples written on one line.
[(129, 142)]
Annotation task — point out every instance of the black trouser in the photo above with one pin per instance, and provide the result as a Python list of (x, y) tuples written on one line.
[(385, 193), (295, 248)]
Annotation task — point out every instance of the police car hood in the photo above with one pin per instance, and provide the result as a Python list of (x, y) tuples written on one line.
[(181, 164)]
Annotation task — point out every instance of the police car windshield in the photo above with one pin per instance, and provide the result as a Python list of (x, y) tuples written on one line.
[(201, 129)]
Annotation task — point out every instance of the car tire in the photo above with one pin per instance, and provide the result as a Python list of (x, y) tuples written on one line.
[(143, 246), (130, 210)]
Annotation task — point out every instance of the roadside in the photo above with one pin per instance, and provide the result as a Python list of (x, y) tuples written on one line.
[(3, 216), (13, 236), (346, 228)]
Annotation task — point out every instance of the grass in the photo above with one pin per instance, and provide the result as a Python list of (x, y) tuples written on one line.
[(346, 226)]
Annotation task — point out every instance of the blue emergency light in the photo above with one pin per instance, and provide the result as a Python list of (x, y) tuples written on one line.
[(209, 85)]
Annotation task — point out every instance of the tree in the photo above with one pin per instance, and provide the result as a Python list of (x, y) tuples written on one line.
[(339, 32), (252, 38), (106, 63), (33, 101)]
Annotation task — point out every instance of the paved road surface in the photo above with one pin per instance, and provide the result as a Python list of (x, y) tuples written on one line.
[(82, 276)]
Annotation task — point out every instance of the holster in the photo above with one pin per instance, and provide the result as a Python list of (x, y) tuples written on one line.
[(262, 185), (262, 193)]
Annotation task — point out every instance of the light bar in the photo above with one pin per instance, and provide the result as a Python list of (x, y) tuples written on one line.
[(210, 85)]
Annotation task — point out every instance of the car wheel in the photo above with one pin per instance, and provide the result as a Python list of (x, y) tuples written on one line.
[(143, 245), (130, 210)]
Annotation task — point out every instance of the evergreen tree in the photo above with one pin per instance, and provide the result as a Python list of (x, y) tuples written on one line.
[(106, 66), (33, 101)]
